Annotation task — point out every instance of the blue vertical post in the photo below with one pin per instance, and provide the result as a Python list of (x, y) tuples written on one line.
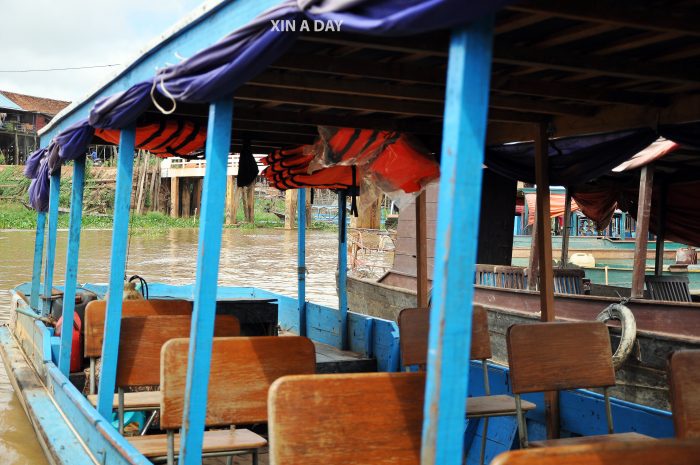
[(120, 233), (301, 259), (463, 140), (211, 223), (38, 258), (343, 268), (54, 193), (71, 281)]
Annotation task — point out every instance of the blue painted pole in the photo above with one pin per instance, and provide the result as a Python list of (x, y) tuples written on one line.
[(301, 259), (202, 333), (71, 281), (120, 233), (54, 193), (463, 140), (343, 268), (38, 258)]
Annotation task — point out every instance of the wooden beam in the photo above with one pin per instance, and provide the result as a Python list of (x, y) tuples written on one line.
[(619, 13), (518, 22), (661, 231), (565, 60), (646, 182), (544, 246), (579, 32), (421, 253)]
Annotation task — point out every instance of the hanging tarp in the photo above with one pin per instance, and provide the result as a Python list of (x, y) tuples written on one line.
[(557, 206)]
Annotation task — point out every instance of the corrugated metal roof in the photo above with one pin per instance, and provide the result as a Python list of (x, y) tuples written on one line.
[(6, 103)]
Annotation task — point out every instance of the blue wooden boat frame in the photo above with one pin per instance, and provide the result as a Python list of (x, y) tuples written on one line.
[(38, 361)]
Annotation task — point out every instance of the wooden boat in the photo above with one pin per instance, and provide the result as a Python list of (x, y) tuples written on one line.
[(308, 414)]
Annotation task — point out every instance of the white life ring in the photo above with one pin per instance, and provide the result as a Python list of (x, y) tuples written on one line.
[(629, 331)]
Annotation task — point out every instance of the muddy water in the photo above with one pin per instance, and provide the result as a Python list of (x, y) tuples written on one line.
[(257, 258)]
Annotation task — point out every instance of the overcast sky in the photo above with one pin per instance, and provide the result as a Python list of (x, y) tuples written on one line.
[(71, 33)]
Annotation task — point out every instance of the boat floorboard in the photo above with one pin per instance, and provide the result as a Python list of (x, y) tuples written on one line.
[(332, 360)]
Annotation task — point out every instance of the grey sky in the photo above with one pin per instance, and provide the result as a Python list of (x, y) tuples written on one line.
[(70, 33)]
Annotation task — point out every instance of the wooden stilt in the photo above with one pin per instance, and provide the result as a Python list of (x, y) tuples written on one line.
[(290, 208), (186, 197), (544, 246), (646, 183), (237, 190), (152, 186), (248, 195), (421, 253), (567, 229), (142, 181), (230, 193), (175, 197)]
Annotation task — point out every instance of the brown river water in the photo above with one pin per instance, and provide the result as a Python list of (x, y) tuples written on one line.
[(264, 258)]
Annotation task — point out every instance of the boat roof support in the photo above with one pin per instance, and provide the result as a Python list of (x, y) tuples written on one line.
[(661, 231), (646, 183), (117, 269), (544, 253), (71, 280), (206, 280), (421, 253), (38, 259), (301, 259), (54, 194), (343, 267), (459, 201), (567, 229)]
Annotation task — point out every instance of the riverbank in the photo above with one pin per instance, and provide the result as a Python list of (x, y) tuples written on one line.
[(17, 216)]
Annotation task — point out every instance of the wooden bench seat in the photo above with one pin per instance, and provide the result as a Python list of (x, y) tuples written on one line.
[(243, 368), (661, 452), (414, 327), (494, 406), (146, 400), (684, 383), (558, 356), (95, 323), (348, 419), (140, 344), (215, 441), (599, 439)]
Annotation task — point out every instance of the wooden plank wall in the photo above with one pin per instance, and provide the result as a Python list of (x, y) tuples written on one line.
[(495, 228)]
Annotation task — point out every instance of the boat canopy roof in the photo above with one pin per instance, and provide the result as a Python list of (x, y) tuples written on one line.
[(586, 72)]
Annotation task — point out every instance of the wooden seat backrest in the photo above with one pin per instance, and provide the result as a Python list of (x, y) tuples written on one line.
[(654, 452), (684, 379), (142, 338), (511, 277), (554, 356), (95, 317), (568, 280), (414, 325), (348, 419), (669, 288), (243, 369)]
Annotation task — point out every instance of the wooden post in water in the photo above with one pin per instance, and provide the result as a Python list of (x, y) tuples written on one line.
[(646, 183), (567, 227), (120, 233), (343, 267), (459, 201), (544, 246), (421, 253), (290, 207), (533, 265), (661, 233), (230, 195), (175, 197)]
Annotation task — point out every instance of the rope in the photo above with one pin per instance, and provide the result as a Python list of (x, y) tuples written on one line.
[(166, 93)]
